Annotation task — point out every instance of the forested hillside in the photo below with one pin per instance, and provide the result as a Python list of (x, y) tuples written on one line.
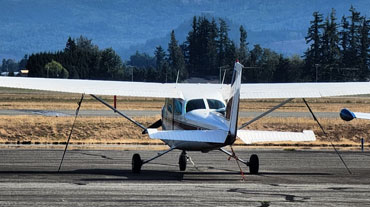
[(32, 26), (338, 50)]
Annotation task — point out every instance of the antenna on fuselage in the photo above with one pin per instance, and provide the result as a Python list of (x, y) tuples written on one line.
[(223, 79), (177, 78)]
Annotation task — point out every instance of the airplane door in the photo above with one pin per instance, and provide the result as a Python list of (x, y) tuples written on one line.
[(168, 115)]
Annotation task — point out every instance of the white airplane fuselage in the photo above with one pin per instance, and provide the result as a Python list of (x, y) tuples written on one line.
[(195, 113)]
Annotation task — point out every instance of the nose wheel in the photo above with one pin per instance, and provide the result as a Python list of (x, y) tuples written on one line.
[(182, 161)]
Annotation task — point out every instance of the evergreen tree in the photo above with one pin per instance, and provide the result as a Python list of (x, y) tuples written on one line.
[(243, 47), (212, 48), (192, 47), (176, 60), (223, 42), (70, 46), (313, 54), (330, 53), (160, 63), (364, 57), (110, 64), (22, 63), (354, 37), (281, 74), (142, 60), (344, 43), (255, 60)]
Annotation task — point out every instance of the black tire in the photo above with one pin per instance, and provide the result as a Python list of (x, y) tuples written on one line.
[(136, 163), (182, 161), (254, 164)]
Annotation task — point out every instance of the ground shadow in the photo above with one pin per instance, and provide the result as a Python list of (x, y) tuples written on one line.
[(104, 175)]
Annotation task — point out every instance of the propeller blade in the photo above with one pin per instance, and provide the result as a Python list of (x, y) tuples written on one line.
[(156, 124)]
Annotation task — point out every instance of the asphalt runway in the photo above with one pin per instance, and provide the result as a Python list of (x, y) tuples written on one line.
[(28, 177), (140, 113)]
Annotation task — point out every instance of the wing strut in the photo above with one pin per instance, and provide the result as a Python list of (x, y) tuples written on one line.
[(265, 113), (70, 133), (322, 129), (118, 112)]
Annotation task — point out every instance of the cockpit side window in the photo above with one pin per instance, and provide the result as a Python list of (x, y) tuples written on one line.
[(195, 104), (177, 107), (215, 104)]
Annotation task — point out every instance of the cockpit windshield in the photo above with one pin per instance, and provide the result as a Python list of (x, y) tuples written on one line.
[(215, 104), (195, 104)]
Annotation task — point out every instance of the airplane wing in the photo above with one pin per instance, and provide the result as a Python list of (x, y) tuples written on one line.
[(211, 136), (172, 90), (251, 136), (303, 90), (119, 88)]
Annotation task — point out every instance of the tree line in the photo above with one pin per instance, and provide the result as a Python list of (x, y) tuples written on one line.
[(336, 52)]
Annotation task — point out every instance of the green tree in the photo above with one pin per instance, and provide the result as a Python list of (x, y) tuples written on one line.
[(161, 63), (110, 65), (354, 37), (70, 45), (330, 52), (344, 43), (55, 70), (192, 47), (243, 47), (176, 60), (364, 57), (201, 47), (313, 53), (141, 60), (223, 42), (22, 63)]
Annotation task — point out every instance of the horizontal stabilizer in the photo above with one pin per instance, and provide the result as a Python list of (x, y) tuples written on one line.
[(250, 136), (211, 136)]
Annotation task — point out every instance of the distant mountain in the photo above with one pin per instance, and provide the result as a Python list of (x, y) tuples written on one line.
[(128, 25)]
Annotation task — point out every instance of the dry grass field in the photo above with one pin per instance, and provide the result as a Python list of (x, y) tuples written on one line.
[(41, 129)]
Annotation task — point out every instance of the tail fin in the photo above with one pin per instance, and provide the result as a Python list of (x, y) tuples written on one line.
[(232, 108)]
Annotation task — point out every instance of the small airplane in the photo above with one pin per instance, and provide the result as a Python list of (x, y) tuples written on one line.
[(348, 115), (199, 117)]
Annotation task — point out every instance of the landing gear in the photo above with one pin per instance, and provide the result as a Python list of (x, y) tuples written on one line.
[(137, 162), (182, 161), (253, 164)]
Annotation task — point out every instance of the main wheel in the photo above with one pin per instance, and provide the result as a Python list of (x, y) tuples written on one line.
[(136, 163), (182, 161), (253, 164)]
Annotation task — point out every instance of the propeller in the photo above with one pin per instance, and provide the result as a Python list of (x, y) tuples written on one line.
[(156, 124), (322, 129), (70, 133)]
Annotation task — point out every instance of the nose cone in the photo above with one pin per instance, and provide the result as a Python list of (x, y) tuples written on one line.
[(346, 115), (207, 120)]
